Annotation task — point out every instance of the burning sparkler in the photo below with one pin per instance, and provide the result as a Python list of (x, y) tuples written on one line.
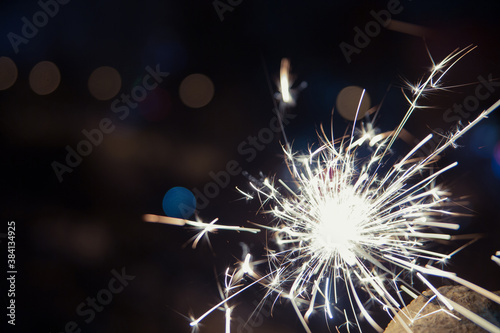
[(496, 258), (348, 224)]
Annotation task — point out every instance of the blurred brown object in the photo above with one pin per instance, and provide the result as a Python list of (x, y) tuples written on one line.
[(443, 322)]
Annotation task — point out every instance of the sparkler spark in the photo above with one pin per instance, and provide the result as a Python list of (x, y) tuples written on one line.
[(284, 81), (496, 258), (348, 224), (204, 228)]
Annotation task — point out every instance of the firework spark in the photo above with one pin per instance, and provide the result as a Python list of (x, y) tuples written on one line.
[(204, 228), (353, 224), (496, 258)]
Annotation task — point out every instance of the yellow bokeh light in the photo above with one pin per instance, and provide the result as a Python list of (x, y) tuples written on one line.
[(44, 78), (196, 90), (104, 83), (348, 102), (8, 73)]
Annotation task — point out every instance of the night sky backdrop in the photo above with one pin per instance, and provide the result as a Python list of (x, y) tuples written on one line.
[(71, 73)]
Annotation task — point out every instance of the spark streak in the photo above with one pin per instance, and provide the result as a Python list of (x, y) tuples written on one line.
[(205, 228), (348, 223), (497, 258)]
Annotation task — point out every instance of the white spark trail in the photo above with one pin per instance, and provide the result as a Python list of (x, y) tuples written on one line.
[(347, 222), (480, 321), (496, 258)]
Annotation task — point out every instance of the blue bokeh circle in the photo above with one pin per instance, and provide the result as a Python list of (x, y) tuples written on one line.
[(179, 202)]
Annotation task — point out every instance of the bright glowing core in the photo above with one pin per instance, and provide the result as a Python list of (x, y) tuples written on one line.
[(339, 225)]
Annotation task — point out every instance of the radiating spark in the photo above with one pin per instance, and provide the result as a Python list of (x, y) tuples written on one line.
[(228, 319), (436, 292), (431, 83), (204, 228), (327, 298), (347, 222)]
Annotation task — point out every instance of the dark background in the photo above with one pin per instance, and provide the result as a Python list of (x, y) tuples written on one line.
[(71, 235)]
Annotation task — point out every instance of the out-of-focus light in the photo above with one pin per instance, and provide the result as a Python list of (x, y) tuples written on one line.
[(285, 81), (104, 83), (196, 90), (8, 73), (348, 101), (44, 78), (179, 202)]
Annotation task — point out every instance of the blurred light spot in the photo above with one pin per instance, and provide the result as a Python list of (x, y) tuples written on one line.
[(348, 101), (284, 83), (8, 73), (104, 83), (44, 78), (483, 140), (179, 202), (408, 28), (157, 105), (196, 90)]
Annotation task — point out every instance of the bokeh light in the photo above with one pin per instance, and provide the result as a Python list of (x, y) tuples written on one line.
[(104, 83), (348, 101), (8, 73), (408, 28), (196, 90), (179, 202), (44, 78)]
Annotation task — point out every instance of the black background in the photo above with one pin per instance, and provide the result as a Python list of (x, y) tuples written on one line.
[(70, 235)]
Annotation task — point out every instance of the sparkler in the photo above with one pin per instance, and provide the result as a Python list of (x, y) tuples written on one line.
[(349, 224), (496, 258)]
